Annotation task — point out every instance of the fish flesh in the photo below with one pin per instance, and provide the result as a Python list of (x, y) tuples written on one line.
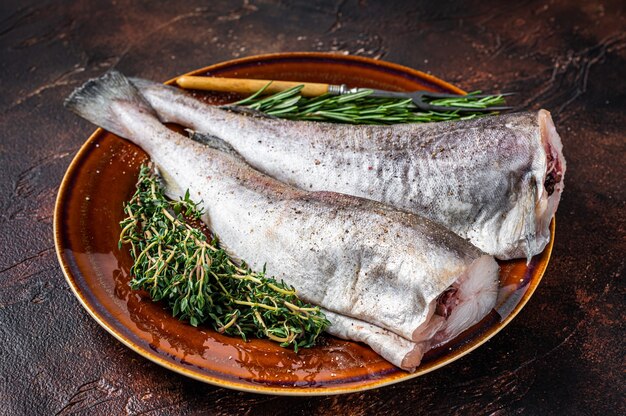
[(392, 279), (495, 180)]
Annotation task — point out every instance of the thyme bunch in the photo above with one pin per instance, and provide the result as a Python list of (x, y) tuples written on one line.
[(359, 108), (176, 263)]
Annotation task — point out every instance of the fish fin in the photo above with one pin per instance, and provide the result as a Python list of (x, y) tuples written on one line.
[(246, 111), (142, 83), (527, 222), (95, 101), (145, 84), (230, 253), (214, 142)]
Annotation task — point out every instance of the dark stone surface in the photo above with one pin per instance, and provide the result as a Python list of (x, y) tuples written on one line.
[(564, 354)]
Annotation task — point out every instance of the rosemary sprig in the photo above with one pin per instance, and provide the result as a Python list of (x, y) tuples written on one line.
[(175, 262), (359, 108)]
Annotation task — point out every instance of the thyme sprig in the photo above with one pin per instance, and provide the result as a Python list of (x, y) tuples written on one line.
[(359, 108), (176, 263)]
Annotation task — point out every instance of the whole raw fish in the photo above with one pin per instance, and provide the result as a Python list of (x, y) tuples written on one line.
[(389, 278), (495, 180)]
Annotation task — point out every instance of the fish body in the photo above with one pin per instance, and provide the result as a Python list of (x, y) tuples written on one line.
[(494, 180), (380, 271)]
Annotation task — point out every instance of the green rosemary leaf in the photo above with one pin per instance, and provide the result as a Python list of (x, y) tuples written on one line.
[(354, 96), (253, 96), (278, 112)]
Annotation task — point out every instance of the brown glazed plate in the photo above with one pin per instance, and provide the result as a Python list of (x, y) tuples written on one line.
[(89, 207)]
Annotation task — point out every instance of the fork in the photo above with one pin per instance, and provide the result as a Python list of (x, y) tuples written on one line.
[(313, 89), (419, 98)]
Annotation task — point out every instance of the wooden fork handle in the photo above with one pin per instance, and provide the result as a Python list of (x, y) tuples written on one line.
[(248, 86)]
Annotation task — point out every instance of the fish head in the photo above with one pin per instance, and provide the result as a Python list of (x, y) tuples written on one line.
[(527, 225)]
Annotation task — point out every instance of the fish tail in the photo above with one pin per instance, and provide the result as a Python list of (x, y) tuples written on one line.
[(99, 98)]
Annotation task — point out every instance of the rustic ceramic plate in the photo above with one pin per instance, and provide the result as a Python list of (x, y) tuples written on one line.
[(89, 207)]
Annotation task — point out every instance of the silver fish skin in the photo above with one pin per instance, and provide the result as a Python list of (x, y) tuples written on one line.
[(356, 258), (495, 180)]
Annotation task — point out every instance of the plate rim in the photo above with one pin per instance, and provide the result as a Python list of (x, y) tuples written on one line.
[(72, 170)]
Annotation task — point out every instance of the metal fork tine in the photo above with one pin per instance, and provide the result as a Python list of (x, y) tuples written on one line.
[(483, 110), (446, 95), (429, 107), (501, 108), (418, 100), (504, 94), (437, 94)]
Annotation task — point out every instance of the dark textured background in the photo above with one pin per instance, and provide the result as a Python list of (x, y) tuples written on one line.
[(564, 354)]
